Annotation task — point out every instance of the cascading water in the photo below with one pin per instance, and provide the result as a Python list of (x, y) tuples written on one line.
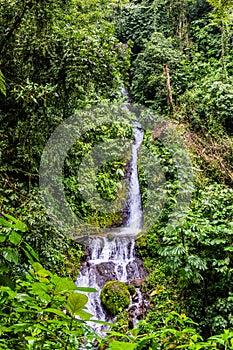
[(135, 220), (112, 257)]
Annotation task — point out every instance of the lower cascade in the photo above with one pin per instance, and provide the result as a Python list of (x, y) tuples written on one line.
[(113, 257)]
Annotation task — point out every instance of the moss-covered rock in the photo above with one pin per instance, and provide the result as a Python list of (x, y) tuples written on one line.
[(115, 297)]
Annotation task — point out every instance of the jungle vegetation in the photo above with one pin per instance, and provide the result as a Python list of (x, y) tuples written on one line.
[(57, 57)]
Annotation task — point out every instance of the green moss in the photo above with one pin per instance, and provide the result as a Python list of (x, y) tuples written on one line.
[(141, 244), (115, 297)]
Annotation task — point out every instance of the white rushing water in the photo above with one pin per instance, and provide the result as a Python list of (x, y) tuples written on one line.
[(135, 220), (109, 259), (113, 257)]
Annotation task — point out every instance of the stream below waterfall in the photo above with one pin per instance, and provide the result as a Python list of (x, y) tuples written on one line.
[(113, 257)]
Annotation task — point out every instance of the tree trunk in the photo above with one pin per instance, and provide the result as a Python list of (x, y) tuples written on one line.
[(169, 90)]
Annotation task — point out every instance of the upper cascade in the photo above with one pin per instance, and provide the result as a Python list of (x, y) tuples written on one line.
[(135, 219)]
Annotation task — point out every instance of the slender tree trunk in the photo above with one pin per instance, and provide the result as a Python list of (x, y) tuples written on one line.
[(224, 51), (186, 22), (181, 30), (169, 90)]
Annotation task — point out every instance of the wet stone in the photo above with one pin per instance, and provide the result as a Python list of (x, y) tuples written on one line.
[(104, 272)]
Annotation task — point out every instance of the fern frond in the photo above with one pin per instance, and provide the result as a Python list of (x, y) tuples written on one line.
[(2, 84)]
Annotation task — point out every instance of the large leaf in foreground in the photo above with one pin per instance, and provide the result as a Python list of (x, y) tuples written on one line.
[(75, 303)]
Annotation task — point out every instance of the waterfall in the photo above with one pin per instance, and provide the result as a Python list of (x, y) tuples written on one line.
[(112, 257), (135, 220), (109, 259)]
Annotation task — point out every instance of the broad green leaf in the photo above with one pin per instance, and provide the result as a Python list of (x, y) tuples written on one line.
[(8, 290), (5, 223), (228, 249), (21, 310), (15, 238), (41, 290), (2, 238), (64, 285), (10, 255), (84, 315), (4, 329), (37, 266), (44, 297), (76, 302), (43, 273), (19, 225), (24, 298), (38, 287), (40, 271)]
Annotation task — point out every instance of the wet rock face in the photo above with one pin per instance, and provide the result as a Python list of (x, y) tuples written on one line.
[(108, 271), (104, 272), (134, 269), (137, 282), (138, 310)]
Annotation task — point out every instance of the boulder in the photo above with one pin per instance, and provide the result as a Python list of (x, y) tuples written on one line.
[(115, 297)]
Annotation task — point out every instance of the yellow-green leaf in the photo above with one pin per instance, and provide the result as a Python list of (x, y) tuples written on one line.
[(76, 302)]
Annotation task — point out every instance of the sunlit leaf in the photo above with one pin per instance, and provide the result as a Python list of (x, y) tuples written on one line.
[(76, 302), (15, 238), (11, 255), (63, 285)]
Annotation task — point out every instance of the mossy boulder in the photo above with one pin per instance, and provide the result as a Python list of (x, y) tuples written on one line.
[(115, 297)]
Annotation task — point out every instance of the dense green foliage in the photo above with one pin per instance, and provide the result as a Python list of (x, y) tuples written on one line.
[(197, 255), (33, 300), (109, 176), (194, 259), (57, 57)]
